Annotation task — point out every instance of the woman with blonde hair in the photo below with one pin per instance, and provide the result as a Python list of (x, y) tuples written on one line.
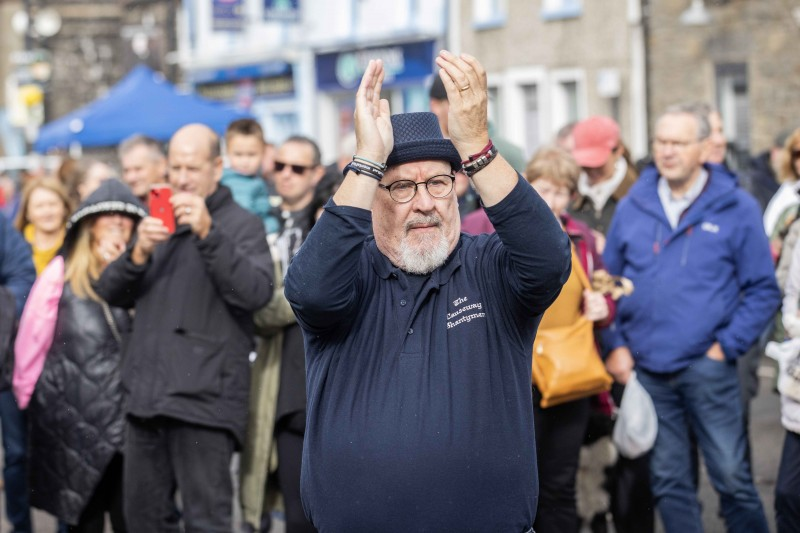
[(42, 218), (68, 376)]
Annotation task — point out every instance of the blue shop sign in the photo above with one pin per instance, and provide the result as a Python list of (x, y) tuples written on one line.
[(405, 64), (269, 69), (228, 15), (243, 84)]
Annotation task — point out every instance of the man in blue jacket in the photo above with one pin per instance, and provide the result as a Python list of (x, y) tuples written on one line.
[(17, 275), (418, 341), (693, 244)]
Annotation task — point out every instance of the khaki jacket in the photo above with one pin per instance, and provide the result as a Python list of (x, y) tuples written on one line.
[(259, 456)]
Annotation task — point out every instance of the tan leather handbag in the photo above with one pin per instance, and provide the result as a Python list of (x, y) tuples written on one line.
[(566, 365)]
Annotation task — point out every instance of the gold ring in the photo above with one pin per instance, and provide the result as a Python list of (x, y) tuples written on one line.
[(464, 88)]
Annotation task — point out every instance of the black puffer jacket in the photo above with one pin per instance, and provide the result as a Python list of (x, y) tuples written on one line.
[(76, 412), (188, 354)]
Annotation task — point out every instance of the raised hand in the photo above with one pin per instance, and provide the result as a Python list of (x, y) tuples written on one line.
[(468, 120), (374, 137), (151, 232), (109, 249)]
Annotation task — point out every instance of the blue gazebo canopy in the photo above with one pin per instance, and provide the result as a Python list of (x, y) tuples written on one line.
[(142, 102)]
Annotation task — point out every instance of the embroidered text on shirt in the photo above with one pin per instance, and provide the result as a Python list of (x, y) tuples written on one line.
[(460, 311)]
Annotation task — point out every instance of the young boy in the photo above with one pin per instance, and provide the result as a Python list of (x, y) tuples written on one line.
[(244, 147)]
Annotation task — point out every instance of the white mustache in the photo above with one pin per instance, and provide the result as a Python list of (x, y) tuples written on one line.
[(431, 220)]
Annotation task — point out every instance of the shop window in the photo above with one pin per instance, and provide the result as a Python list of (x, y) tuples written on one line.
[(733, 102), (532, 118), (488, 14), (561, 9), (568, 97), (569, 100), (494, 109)]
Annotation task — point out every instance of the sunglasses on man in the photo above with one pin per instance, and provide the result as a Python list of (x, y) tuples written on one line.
[(297, 169)]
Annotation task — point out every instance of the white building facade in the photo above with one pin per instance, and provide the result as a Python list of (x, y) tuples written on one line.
[(296, 64)]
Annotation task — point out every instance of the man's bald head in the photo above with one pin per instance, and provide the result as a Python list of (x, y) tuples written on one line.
[(198, 135), (195, 164)]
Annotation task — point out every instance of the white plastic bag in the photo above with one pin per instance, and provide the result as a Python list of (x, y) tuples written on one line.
[(787, 354), (637, 425)]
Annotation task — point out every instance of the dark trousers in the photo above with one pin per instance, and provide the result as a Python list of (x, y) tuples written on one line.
[(15, 469), (559, 434), (632, 505), (787, 488), (162, 453), (289, 432), (107, 498), (631, 498)]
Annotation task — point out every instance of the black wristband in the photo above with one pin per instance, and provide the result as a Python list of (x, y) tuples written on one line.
[(364, 169)]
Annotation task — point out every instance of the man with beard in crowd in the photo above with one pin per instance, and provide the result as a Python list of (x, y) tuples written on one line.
[(418, 341)]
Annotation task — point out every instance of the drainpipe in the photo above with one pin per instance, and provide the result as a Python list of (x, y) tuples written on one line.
[(453, 29), (637, 17)]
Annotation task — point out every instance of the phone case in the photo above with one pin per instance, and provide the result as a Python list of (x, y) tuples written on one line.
[(161, 208)]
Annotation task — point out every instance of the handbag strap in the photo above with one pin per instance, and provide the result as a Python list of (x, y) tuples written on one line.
[(577, 267), (112, 324)]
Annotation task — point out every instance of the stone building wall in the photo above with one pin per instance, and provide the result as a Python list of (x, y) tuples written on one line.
[(761, 35), (592, 43)]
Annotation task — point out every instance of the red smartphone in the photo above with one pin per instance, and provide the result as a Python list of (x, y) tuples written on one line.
[(160, 206)]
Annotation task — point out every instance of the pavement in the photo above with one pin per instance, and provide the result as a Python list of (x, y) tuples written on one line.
[(767, 441)]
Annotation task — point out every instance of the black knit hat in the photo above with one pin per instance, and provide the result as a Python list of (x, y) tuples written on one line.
[(112, 196), (418, 137)]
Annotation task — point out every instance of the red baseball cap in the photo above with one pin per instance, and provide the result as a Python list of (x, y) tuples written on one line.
[(595, 138)]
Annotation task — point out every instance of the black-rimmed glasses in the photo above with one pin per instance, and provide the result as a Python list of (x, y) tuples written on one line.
[(403, 191)]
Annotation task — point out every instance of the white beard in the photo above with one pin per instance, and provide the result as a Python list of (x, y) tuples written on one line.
[(428, 255)]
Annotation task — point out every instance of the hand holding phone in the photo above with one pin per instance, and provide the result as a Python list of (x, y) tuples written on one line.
[(161, 207), (191, 210)]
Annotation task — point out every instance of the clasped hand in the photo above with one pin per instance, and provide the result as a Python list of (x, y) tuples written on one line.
[(464, 80)]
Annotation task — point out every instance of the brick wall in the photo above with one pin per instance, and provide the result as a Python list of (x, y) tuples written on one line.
[(762, 34)]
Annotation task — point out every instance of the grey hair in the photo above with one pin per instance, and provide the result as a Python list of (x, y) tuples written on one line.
[(153, 146), (698, 110)]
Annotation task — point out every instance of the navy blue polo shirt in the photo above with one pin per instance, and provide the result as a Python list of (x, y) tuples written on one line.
[(420, 415)]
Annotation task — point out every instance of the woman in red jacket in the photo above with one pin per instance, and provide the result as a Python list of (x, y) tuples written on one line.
[(560, 429)]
